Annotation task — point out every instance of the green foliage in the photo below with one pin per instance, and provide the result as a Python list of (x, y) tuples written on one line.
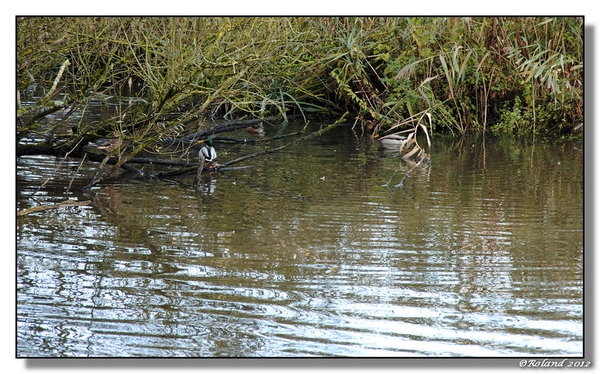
[(474, 68), (513, 75), (511, 119)]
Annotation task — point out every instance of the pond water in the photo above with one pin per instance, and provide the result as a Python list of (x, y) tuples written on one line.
[(309, 253)]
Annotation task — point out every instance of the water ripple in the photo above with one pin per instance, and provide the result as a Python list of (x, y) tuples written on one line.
[(309, 255)]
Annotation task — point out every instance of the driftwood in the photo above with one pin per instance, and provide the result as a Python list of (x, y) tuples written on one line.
[(64, 204)]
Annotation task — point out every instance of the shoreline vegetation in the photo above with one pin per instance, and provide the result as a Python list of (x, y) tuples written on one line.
[(178, 76)]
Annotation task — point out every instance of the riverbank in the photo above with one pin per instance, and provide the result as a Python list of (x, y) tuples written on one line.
[(504, 75)]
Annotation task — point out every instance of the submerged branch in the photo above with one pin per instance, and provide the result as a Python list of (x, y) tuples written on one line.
[(64, 204), (401, 184)]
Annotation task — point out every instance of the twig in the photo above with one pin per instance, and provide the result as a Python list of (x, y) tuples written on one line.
[(80, 165), (58, 76), (164, 174), (64, 204), (130, 168), (388, 182)]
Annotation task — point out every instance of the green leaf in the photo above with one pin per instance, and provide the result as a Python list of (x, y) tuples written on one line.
[(545, 22), (464, 66), (445, 67), (540, 71)]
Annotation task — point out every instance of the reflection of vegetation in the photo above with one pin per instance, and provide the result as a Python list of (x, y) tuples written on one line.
[(531, 186)]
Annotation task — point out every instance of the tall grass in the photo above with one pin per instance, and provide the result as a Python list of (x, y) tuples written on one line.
[(505, 75), (474, 73)]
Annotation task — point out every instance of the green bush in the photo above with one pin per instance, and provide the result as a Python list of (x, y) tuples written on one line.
[(504, 74)]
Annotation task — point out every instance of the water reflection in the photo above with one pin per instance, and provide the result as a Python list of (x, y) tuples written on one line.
[(308, 253)]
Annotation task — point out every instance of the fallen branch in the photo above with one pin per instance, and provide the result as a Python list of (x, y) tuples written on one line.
[(224, 127), (272, 150), (221, 127), (194, 168), (64, 204)]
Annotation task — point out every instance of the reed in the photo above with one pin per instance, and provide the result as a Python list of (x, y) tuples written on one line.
[(175, 75)]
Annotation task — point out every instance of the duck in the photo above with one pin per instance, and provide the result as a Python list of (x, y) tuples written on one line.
[(208, 154), (106, 145), (393, 141), (257, 129)]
